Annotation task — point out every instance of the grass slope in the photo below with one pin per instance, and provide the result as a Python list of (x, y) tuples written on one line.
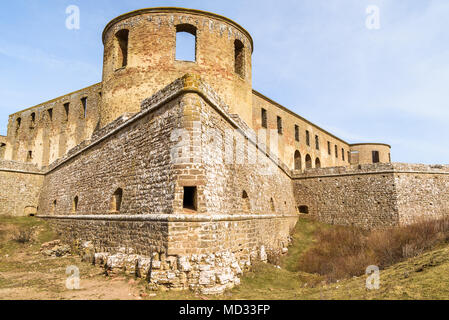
[(25, 274)]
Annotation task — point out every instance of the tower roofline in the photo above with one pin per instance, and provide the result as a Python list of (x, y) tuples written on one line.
[(370, 144), (177, 10)]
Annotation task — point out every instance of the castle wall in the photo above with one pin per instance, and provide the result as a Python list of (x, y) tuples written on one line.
[(230, 166), (373, 196), (363, 153), (152, 64), (218, 239), (286, 144), (39, 137), (363, 197), (20, 185), (135, 159), (422, 191)]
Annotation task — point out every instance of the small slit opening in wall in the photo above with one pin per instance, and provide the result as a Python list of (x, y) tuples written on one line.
[(84, 104), (190, 199), (67, 110)]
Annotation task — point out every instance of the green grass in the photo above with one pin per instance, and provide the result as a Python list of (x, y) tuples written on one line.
[(9, 226), (422, 277)]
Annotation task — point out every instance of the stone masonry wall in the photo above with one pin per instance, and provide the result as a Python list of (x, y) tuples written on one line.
[(152, 62), (422, 191), (373, 196), (20, 186), (178, 252), (205, 249), (135, 159), (363, 197), (44, 133), (228, 165)]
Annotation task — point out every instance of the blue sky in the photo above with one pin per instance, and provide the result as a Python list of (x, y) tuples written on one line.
[(316, 57)]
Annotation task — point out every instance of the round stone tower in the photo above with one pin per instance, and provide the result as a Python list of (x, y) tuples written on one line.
[(368, 153), (140, 58)]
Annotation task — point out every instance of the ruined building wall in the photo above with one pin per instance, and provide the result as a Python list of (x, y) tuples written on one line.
[(44, 133), (204, 248), (286, 143), (362, 153), (3, 142), (151, 58), (230, 165), (135, 159), (20, 185)]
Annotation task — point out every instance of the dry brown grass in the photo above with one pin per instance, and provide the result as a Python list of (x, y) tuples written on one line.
[(343, 252)]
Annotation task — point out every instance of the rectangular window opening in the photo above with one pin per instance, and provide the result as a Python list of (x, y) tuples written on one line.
[(279, 121), (122, 37), (376, 158), (264, 118), (190, 201), (239, 58), (186, 43), (297, 133)]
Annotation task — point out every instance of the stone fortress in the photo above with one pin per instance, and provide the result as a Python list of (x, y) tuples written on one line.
[(180, 172)]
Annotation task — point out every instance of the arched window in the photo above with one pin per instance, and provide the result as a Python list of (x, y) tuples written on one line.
[(186, 42), (121, 42), (116, 201), (273, 209), (75, 204), (308, 162), (245, 202), (239, 62), (298, 161), (317, 163)]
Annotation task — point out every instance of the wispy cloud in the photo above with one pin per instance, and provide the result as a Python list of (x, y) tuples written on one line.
[(44, 59)]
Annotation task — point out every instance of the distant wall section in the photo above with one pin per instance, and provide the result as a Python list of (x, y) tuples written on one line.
[(20, 187), (42, 134), (373, 196)]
